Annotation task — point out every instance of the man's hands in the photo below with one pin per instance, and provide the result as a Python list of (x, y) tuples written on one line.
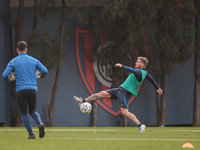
[(118, 65), (159, 91)]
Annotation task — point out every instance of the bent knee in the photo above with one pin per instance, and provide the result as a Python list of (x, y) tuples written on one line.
[(104, 94), (124, 112)]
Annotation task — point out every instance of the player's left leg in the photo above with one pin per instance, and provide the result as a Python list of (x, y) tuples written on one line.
[(22, 100), (133, 118), (36, 116), (130, 116), (123, 97)]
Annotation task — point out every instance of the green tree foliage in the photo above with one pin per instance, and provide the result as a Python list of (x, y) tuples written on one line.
[(124, 21), (175, 33), (45, 48), (46, 8), (41, 44), (173, 39), (49, 49)]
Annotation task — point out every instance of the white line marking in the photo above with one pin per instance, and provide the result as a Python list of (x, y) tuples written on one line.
[(88, 130), (183, 130), (69, 130), (121, 139)]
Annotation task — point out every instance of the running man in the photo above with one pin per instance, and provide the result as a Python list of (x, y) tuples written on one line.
[(25, 67), (128, 89)]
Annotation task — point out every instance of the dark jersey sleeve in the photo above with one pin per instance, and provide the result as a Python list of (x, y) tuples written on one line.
[(151, 79), (137, 72), (138, 75)]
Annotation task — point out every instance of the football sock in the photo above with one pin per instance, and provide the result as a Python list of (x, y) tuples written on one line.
[(36, 117), (139, 125), (26, 123)]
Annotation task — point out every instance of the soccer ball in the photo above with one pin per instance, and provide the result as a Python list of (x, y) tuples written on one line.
[(86, 108), (38, 74), (12, 76)]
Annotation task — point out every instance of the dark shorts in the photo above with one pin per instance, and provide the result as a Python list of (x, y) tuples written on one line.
[(26, 99), (121, 95)]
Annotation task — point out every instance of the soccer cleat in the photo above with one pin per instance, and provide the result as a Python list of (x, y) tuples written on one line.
[(41, 130), (78, 100), (31, 136), (142, 128)]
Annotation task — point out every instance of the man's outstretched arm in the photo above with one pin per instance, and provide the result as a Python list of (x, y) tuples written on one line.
[(137, 72), (130, 69), (151, 79)]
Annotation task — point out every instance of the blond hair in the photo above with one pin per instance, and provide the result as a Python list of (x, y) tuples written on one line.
[(144, 60)]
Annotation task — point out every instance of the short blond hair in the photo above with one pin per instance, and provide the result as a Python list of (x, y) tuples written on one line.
[(144, 60)]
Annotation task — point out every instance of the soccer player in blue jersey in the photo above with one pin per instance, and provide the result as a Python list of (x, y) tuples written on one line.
[(25, 67), (127, 89)]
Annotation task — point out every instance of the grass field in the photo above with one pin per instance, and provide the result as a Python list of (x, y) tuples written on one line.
[(101, 138)]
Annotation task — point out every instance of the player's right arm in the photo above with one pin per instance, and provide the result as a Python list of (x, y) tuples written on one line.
[(8, 70), (42, 69), (137, 72), (132, 70)]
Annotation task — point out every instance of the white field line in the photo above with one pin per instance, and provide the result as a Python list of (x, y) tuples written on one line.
[(85, 130), (80, 130), (60, 130), (183, 130), (121, 139)]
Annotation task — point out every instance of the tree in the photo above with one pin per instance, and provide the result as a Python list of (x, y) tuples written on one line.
[(196, 111), (53, 54), (174, 36), (42, 40), (53, 97), (15, 114), (122, 21), (38, 41)]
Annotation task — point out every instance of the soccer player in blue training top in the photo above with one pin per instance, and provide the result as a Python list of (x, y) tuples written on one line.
[(25, 67), (127, 89)]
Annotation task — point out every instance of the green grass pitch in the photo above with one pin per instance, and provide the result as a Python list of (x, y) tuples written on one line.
[(101, 138)]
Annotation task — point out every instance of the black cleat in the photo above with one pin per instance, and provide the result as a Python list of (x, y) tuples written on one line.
[(31, 136), (41, 130)]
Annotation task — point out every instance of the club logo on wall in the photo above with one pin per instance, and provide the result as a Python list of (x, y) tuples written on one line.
[(95, 69), (103, 67)]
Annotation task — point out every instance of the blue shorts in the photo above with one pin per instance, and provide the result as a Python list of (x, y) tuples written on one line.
[(121, 95)]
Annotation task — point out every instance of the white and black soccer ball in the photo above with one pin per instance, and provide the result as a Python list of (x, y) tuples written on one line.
[(12, 76), (38, 74), (86, 108)]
